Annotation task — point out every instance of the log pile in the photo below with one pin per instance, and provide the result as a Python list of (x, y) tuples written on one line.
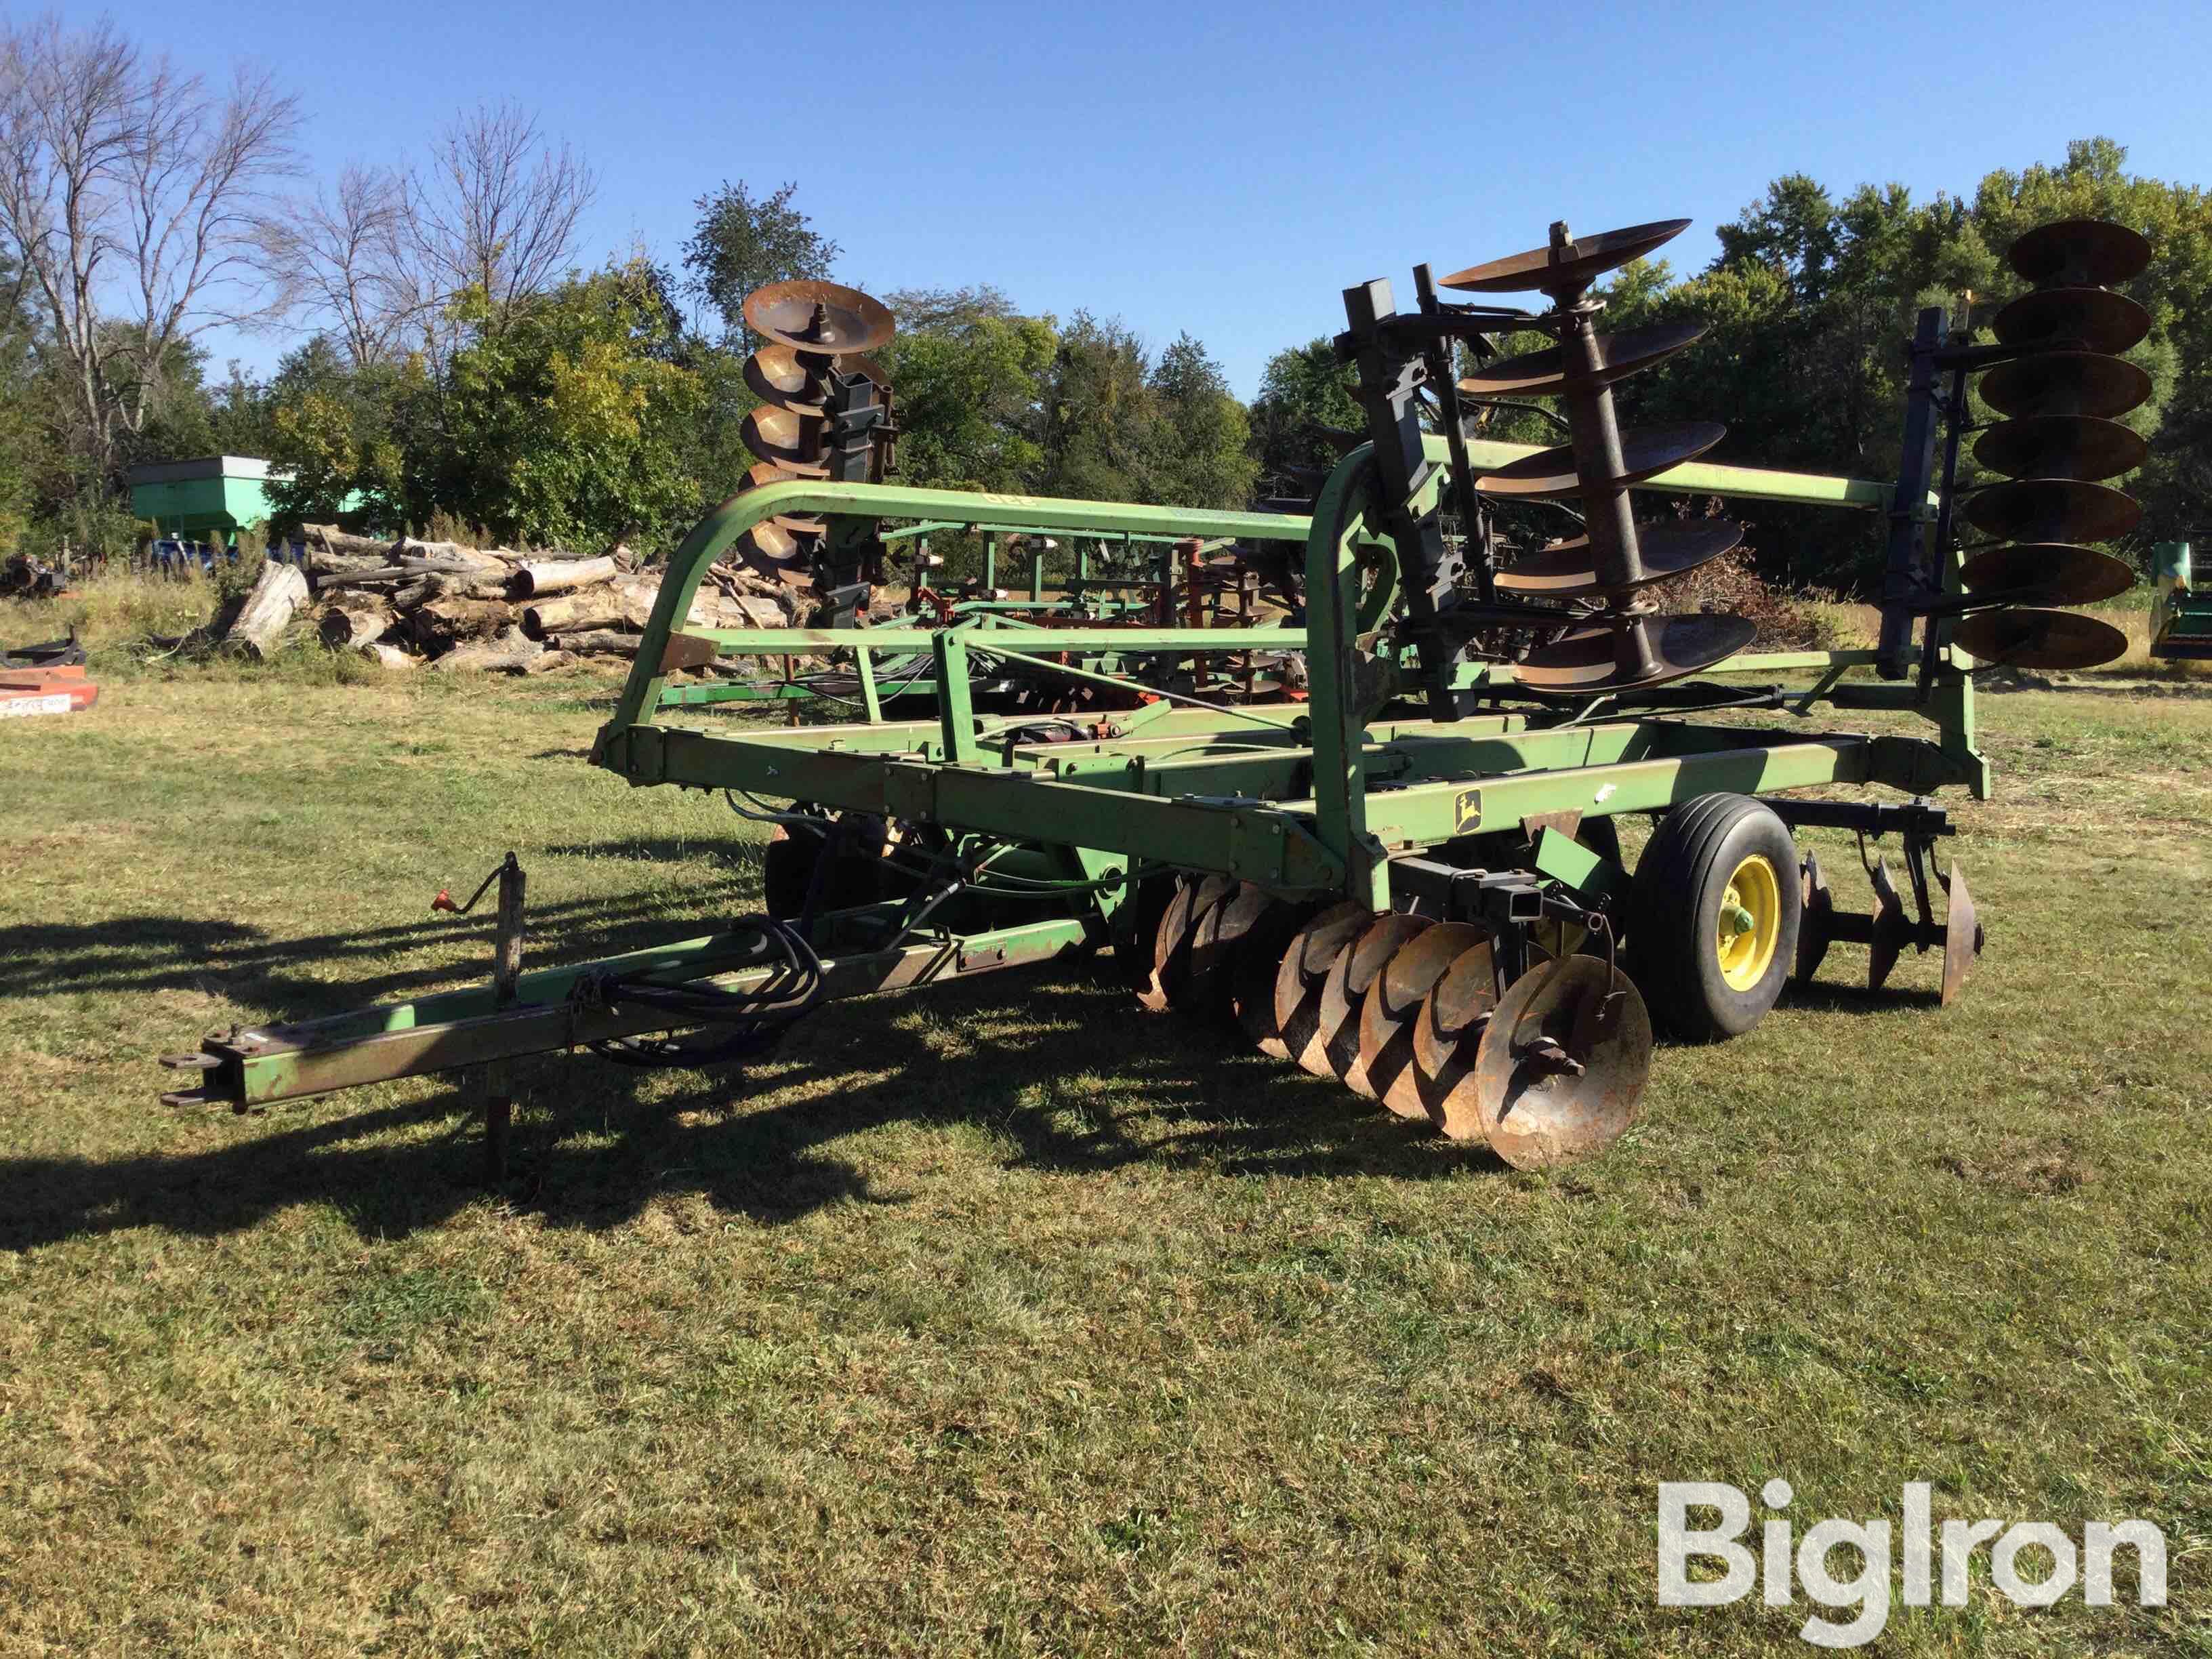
[(463, 610)]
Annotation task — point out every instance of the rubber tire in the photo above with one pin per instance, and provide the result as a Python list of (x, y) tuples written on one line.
[(1675, 913)]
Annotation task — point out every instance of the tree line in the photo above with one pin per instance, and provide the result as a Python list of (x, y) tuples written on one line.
[(457, 359)]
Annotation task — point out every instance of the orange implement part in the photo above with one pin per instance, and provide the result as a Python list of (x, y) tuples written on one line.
[(25, 691)]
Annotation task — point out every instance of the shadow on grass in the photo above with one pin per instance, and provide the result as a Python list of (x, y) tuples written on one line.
[(1182, 1095), (157, 953), (2148, 688), (1826, 998)]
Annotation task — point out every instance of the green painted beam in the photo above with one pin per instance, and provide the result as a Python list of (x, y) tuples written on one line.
[(1425, 814), (459, 1029), (1702, 477), (1125, 642)]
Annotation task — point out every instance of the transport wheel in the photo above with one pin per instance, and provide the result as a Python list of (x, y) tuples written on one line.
[(1717, 902)]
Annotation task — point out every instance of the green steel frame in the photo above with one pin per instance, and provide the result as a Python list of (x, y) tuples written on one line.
[(1282, 796)]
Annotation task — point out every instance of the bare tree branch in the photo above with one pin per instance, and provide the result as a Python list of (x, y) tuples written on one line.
[(337, 255), (493, 208), (138, 200)]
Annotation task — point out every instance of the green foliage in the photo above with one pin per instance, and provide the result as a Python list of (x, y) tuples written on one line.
[(741, 243), (234, 577), (1303, 389), (333, 432), (1118, 427), (969, 374), (569, 426)]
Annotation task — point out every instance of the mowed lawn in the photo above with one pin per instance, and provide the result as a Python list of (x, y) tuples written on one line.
[(1006, 1319)]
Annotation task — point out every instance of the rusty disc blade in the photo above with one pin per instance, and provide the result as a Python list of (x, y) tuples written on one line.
[(824, 318), (790, 439), (1891, 929), (2061, 446), (782, 376), (2091, 318), (1143, 905), (1169, 985), (1539, 373), (1564, 571), (2053, 510), (1814, 932), (763, 473), (2019, 637), (1218, 945), (769, 547), (1962, 934), (1387, 1018), (2065, 383), (1252, 977), (1645, 452), (2048, 573), (1447, 1032), (1305, 965), (2080, 252), (1561, 1068), (1600, 658), (1358, 966), (1572, 266)]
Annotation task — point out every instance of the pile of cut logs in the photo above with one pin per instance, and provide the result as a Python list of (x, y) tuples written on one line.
[(463, 610)]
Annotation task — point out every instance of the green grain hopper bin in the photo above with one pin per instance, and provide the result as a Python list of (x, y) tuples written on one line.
[(209, 498), (2181, 610)]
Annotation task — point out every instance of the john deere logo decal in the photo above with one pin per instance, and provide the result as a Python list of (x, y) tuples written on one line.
[(1466, 812)]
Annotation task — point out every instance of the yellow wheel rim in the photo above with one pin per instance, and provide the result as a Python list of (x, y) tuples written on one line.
[(1750, 923)]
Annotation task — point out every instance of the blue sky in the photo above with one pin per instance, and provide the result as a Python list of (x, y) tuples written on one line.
[(1229, 168)]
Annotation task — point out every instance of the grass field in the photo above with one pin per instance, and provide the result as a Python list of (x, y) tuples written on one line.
[(1003, 1319)]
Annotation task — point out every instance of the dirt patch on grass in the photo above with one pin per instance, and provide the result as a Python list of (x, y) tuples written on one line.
[(2028, 1167)]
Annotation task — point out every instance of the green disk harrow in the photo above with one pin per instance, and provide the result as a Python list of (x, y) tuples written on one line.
[(1378, 833)]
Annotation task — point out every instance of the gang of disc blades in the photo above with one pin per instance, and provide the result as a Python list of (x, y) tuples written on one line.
[(1219, 943), (782, 376), (2065, 383), (1447, 1032), (1344, 994), (1645, 452), (784, 436), (2018, 637), (2093, 318), (1167, 985), (2079, 253), (826, 319), (2061, 446), (1535, 1111), (1304, 967), (1252, 974), (1539, 373), (1587, 661), (1573, 265), (2053, 510), (1394, 1004), (2048, 573), (1564, 571)]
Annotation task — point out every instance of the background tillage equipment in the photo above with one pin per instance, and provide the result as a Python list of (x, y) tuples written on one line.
[(1412, 880)]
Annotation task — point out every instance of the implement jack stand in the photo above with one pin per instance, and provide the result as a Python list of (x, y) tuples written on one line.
[(506, 971)]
